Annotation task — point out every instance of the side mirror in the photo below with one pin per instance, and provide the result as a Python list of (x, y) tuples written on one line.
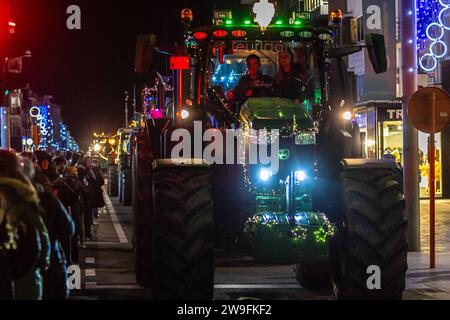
[(145, 46), (377, 52)]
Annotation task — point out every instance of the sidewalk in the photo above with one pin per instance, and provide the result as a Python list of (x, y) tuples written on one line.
[(423, 282), (107, 263)]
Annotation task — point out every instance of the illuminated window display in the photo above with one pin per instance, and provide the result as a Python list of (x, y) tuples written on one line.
[(425, 166), (382, 137), (391, 145)]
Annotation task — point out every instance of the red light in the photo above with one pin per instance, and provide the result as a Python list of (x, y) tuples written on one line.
[(11, 24), (239, 33), (220, 33), (200, 35), (179, 63)]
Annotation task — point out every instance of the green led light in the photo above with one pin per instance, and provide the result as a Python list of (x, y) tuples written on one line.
[(298, 22), (279, 22), (247, 22), (287, 33), (229, 21)]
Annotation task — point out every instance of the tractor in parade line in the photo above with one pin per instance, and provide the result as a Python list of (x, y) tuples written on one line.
[(327, 212), (124, 166), (119, 166)]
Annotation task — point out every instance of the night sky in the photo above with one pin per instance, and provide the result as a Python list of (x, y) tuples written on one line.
[(87, 71)]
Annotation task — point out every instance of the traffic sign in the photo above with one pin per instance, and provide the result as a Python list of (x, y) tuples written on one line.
[(179, 63), (429, 110)]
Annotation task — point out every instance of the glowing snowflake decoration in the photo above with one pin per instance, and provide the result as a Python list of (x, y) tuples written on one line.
[(265, 11)]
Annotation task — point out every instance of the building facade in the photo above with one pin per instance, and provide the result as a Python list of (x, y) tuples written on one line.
[(377, 105)]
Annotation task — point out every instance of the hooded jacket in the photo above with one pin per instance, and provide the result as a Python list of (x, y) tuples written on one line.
[(24, 239)]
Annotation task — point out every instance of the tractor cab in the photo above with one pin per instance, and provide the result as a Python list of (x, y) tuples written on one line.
[(292, 60)]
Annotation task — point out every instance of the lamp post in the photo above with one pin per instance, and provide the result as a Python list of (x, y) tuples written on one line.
[(127, 97), (410, 135)]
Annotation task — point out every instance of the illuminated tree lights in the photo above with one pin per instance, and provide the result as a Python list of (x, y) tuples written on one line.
[(432, 22)]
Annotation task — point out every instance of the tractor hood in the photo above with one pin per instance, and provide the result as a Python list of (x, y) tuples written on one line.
[(269, 112)]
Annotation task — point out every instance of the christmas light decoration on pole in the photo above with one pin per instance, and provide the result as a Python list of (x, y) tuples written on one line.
[(431, 26)]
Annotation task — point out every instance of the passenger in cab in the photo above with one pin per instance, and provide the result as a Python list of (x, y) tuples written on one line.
[(293, 79), (254, 84)]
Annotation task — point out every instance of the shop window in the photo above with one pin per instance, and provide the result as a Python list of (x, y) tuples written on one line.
[(392, 144), (424, 165), (366, 120), (392, 147)]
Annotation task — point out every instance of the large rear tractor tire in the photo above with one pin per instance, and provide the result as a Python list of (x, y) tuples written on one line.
[(112, 181), (183, 234), (142, 208), (372, 235)]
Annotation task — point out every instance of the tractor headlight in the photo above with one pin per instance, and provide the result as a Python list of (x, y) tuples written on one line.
[(184, 114), (265, 175), (97, 147), (300, 176), (347, 115)]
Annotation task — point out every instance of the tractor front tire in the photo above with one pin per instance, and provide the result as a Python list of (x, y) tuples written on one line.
[(183, 234), (372, 236)]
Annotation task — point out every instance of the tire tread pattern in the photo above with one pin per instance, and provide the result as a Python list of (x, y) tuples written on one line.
[(374, 233), (183, 234)]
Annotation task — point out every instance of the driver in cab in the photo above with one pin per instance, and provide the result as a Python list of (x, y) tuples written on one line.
[(254, 84)]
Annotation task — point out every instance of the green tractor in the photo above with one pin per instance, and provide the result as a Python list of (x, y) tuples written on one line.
[(113, 176), (124, 166), (322, 209)]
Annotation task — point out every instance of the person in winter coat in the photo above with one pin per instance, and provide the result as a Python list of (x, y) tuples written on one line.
[(6, 280), (94, 198), (100, 181), (42, 168), (69, 190), (23, 203), (24, 238), (44, 161), (60, 226)]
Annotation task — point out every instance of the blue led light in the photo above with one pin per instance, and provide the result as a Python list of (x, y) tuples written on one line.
[(431, 16), (265, 175)]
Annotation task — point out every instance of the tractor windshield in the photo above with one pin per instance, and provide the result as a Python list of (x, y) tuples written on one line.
[(292, 66)]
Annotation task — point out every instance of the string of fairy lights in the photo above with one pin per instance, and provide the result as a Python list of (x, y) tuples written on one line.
[(48, 131), (433, 20)]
